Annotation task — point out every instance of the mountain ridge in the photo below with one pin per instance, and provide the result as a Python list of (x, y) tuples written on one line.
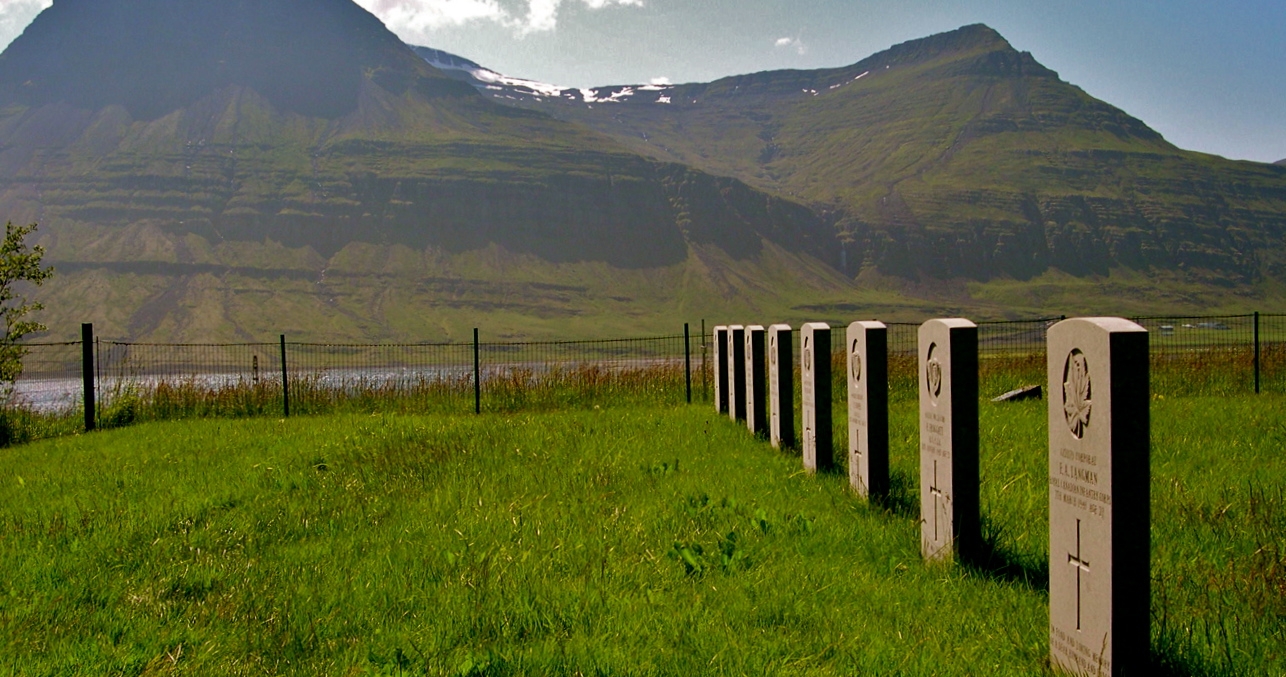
[(409, 207), (157, 194), (156, 56), (957, 156)]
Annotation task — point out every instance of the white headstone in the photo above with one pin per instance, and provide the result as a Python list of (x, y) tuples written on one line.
[(815, 379), (756, 404), (868, 408), (720, 339), (781, 386), (737, 372), (949, 502), (1099, 497)]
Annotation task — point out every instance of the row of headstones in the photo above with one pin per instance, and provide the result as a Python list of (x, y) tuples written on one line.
[(1099, 495)]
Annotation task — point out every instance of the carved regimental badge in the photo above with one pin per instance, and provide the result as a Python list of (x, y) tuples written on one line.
[(772, 351), (933, 372), (1076, 393), (856, 362), (808, 353)]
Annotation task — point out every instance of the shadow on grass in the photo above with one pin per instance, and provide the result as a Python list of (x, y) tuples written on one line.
[(1173, 656), (992, 559), (1168, 664), (901, 499), (999, 563)]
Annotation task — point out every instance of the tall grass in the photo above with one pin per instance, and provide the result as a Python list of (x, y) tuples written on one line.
[(523, 389), (651, 540), (1183, 374)]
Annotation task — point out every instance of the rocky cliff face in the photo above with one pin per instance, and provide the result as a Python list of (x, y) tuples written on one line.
[(958, 156), (308, 123)]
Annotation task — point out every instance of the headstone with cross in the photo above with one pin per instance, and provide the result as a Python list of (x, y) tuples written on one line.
[(948, 375), (868, 408), (737, 372), (756, 404), (781, 386), (815, 379), (720, 343), (1099, 497)]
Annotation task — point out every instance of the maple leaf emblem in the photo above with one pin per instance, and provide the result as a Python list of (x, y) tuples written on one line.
[(1076, 393), (933, 372)]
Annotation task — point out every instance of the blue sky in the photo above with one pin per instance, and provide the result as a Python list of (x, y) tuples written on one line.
[(1209, 76)]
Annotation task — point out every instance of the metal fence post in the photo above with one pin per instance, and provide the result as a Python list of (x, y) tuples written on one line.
[(285, 381), (87, 373), (477, 375), (687, 360), (1256, 352)]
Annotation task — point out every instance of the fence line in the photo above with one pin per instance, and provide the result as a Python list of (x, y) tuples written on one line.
[(1251, 346)]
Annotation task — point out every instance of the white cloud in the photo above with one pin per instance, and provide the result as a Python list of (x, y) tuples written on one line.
[(422, 15), (522, 16), (15, 15), (796, 44)]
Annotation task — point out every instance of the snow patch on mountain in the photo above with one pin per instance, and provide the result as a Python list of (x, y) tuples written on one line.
[(506, 87), (488, 78)]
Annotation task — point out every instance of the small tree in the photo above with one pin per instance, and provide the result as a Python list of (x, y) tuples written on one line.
[(18, 263)]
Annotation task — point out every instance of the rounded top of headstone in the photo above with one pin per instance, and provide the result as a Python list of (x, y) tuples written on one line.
[(816, 325), (781, 327), (755, 327), (737, 327), (867, 324), (951, 323), (1112, 325)]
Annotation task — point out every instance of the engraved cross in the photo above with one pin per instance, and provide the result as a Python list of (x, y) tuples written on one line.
[(937, 495), (1080, 565)]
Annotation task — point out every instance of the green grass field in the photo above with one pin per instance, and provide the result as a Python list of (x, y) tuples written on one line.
[(642, 540)]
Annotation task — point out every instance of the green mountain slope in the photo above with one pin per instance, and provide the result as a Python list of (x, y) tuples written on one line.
[(185, 147), (958, 156)]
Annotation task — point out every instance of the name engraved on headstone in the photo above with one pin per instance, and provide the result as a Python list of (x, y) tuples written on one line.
[(737, 372), (720, 342), (781, 386), (756, 404), (868, 408), (950, 523), (1099, 497)]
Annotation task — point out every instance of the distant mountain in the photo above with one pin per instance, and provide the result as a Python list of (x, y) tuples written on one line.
[(955, 156), (1280, 162), (153, 57), (187, 145)]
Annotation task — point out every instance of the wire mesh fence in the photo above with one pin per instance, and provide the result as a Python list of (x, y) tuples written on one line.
[(1191, 354), (262, 378), (51, 377), (1272, 352), (995, 339)]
